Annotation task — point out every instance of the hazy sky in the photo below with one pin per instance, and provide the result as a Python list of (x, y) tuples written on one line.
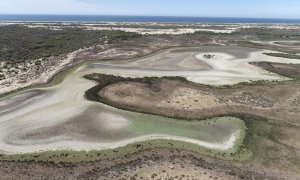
[(206, 8)]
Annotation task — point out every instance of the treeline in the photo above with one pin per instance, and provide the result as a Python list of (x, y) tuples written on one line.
[(270, 33), (261, 33), (20, 43)]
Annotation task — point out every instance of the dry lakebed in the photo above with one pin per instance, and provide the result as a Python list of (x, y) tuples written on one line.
[(202, 101)]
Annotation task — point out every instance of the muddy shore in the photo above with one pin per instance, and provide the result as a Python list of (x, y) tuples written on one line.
[(270, 112), (277, 102)]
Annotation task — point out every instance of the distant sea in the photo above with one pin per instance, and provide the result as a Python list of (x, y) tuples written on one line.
[(92, 18)]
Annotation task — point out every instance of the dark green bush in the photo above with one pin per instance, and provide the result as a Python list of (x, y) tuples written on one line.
[(20, 43)]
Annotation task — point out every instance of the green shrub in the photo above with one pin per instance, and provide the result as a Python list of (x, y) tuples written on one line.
[(20, 43), (37, 63)]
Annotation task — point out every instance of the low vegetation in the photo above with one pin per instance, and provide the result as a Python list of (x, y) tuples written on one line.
[(283, 55), (258, 33), (263, 141), (253, 149), (270, 33), (208, 56), (286, 70), (241, 152), (19, 43), (261, 145), (68, 156)]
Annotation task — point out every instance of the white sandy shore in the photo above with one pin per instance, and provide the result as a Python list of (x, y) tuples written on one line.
[(163, 31), (86, 146)]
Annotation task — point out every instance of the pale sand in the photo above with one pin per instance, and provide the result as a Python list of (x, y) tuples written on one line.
[(175, 31), (223, 69), (66, 101), (14, 83), (288, 45), (69, 144)]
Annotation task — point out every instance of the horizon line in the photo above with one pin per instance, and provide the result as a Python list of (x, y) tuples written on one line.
[(178, 16)]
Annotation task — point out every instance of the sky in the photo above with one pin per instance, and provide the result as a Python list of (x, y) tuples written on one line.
[(200, 8)]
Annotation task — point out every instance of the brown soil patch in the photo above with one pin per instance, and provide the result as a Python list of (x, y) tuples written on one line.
[(278, 103), (148, 164), (175, 98)]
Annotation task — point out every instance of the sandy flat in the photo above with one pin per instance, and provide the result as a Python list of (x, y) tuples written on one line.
[(42, 124), (227, 67), (65, 106)]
